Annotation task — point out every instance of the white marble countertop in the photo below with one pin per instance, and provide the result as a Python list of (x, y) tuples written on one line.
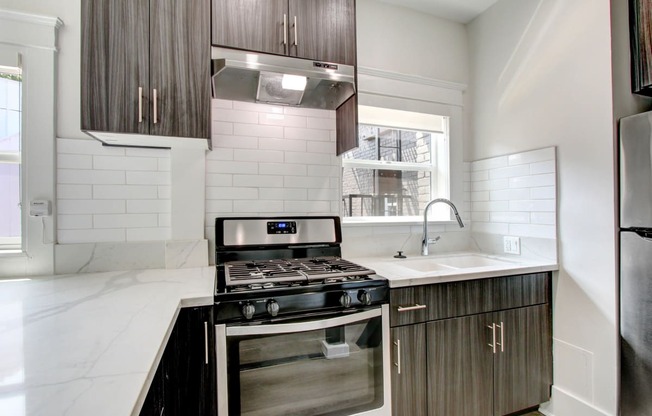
[(421, 270), (89, 344)]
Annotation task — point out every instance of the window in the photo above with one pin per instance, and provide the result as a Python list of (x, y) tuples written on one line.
[(401, 164), (10, 157)]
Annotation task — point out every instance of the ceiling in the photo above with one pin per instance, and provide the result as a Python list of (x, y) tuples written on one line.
[(462, 11)]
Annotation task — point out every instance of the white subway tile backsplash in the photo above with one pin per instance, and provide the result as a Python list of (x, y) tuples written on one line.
[(74, 191), (518, 198), (309, 112), (219, 179), (218, 154), (509, 172), (321, 147), (218, 103), (269, 206), (541, 205), (318, 170), (285, 120), (256, 130), (273, 156), (261, 181), (222, 127), (305, 182), (164, 164), (164, 220), (148, 206), (270, 143), (259, 108), (544, 192), (218, 192), (321, 123), (148, 178), (89, 206), (234, 142), (306, 134), (69, 161), (86, 147), (533, 156), (164, 192), (74, 222), (125, 163), (283, 169), (146, 152), (214, 206), (543, 218), (309, 207), (229, 167), (148, 234), (285, 194), (542, 167), (125, 192), (235, 116), (532, 181), (125, 220), (308, 158), (322, 194), (87, 176), (91, 236)]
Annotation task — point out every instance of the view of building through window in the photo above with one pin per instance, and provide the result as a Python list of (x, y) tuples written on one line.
[(394, 171), (10, 133)]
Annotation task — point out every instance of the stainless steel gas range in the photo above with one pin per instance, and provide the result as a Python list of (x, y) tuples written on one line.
[(299, 330)]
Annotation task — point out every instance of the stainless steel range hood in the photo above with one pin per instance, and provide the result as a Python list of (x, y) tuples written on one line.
[(280, 80)]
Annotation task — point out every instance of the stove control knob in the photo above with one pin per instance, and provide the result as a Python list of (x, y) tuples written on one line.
[(248, 310), (345, 300), (364, 297), (272, 307)]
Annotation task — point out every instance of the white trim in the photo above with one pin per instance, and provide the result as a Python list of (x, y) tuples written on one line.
[(387, 165), (10, 157), (412, 79), (34, 19)]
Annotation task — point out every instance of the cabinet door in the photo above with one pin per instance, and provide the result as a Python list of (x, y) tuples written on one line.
[(254, 25), (523, 366), (409, 370), (180, 68), (114, 65), (324, 31), (460, 366)]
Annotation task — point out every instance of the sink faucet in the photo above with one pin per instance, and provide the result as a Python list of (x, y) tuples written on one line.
[(427, 241)]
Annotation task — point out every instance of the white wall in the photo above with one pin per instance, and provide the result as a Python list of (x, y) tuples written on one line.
[(542, 77), (402, 40)]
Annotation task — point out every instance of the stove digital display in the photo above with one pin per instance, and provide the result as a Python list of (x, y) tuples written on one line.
[(281, 227)]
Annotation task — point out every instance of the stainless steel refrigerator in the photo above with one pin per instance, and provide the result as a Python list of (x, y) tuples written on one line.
[(635, 153)]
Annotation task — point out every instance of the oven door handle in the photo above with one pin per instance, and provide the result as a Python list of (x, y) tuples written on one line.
[(273, 329)]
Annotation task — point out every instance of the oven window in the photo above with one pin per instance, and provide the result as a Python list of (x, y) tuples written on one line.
[(335, 371)]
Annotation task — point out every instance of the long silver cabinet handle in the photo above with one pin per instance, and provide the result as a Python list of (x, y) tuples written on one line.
[(414, 307), (155, 109), (285, 30), (397, 364), (502, 337), (296, 40), (206, 342), (493, 337), (140, 104)]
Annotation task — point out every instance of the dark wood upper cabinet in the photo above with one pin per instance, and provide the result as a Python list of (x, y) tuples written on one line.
[(134, 49), (320, 30), (114, 65), (323, 30), (640, 12), (347, 125)]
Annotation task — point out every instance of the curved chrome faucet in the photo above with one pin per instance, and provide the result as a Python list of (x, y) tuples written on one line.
[(425, 242)]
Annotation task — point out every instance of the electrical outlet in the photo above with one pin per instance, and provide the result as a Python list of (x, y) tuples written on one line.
[(512, 245)]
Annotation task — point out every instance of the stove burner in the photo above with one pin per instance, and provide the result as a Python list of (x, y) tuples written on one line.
[(298, 271)]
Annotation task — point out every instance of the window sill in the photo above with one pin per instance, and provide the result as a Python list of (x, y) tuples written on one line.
[(12, 253)]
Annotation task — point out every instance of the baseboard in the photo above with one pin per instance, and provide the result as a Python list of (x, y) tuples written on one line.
[(563, 403)]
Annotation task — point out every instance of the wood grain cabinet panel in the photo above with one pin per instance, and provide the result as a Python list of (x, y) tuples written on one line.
[(254, 25), (488, 345), (460, 367), (409, 370), (132, 48), (325, 30), (523, 367), (180, 67), (114, 65)]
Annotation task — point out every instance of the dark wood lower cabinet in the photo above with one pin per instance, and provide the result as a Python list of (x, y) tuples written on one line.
[(409, 370), (493, 363), (185, 384), (460, 367)]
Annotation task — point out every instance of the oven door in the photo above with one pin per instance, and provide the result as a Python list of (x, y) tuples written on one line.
[(336, 364)]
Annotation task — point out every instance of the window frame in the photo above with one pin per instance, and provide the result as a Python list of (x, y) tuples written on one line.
[(439, 183)]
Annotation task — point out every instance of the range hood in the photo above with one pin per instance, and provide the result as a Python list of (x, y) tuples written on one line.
[(280, 80)]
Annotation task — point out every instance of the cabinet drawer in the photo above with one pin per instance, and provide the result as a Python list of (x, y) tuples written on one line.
[(448, 300)]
